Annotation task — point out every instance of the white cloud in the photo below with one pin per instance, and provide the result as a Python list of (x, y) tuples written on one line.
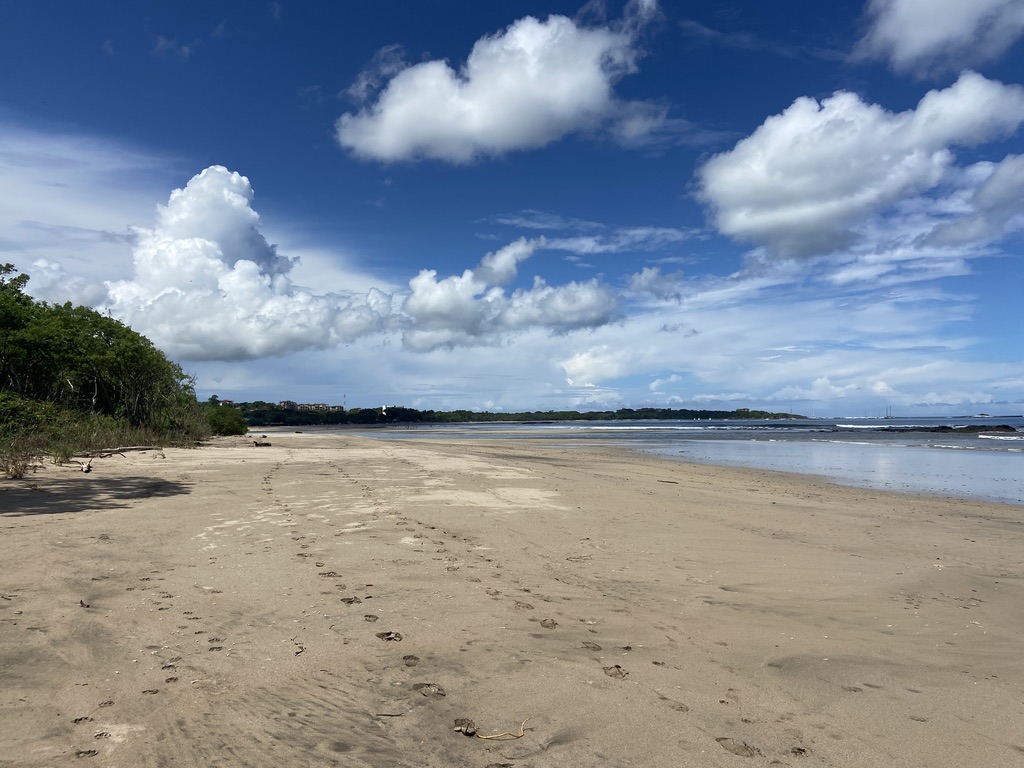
[(522, 88), (166, 48), (821, 389), (934, 35), (806, 177), (993, 210), (597, 364), (472, 309), (658, 384), (652, 281), (207, 285)]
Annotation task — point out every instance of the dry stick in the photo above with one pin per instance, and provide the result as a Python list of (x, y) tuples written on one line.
[(522, 732)]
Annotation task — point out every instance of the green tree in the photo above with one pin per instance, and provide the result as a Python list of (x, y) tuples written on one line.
[(225, 420)]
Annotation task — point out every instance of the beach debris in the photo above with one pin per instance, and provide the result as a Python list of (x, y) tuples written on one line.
[(389, 636), (86, 466), (548, 623), (740, 748), (429, 689), (260, 444), (506, 735), (615, 671), (84, 604), (465, 726)]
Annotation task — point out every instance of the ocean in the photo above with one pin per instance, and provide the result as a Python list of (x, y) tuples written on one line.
[(896, 454)]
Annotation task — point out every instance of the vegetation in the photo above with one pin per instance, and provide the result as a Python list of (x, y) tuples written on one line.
[(263, 414), (225, 420), (73, 380)]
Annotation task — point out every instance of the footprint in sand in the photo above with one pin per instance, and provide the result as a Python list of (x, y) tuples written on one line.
[(615, 671), (107, 703), (548, 623), (78, 720), (370, 617), (86, 753), (591, 646), (151, 691), (390, 636), (678, 706), (102, 735), (411, 661), (738, 747)]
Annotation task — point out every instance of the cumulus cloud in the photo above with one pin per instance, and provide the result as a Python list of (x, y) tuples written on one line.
[(924, 36), (208, 286), (653, 282), (473, 309), (522, 88), (805, 177), (597, 364)]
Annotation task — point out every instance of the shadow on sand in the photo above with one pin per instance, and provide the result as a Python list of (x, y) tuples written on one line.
[(79, 493)]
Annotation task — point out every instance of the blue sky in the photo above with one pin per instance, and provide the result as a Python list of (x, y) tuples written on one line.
[(799, 206)]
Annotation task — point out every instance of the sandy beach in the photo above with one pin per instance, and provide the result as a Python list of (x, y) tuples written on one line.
[(332, 600)]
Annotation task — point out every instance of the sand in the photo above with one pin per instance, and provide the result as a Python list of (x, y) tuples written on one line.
[(336, 600)]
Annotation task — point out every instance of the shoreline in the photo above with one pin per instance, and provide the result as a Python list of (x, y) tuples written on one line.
[(638, 610)]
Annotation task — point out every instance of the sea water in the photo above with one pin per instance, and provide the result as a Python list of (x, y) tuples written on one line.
[(891, 454)]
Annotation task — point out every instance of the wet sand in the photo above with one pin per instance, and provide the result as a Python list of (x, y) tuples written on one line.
[(334, 600)]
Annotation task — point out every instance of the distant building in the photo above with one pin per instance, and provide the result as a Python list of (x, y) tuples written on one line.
[(289, 405)]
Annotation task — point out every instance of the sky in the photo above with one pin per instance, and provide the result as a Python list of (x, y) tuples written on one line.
[(807, 207)]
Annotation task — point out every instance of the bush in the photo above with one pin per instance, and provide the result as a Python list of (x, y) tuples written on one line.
[(225, 420)]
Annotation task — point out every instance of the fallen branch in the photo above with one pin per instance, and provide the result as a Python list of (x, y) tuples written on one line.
[(105, 452)]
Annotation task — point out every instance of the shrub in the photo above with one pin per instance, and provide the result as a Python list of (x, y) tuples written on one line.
[(225, 420)]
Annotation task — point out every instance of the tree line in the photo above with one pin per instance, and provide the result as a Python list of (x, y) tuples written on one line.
[(73, 379), (264, 414)]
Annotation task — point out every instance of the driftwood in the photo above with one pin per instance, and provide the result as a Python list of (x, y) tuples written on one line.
[(102, 454), (86, 466)]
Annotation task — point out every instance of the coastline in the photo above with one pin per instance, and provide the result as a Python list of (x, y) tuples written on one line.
[(638, 610)]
